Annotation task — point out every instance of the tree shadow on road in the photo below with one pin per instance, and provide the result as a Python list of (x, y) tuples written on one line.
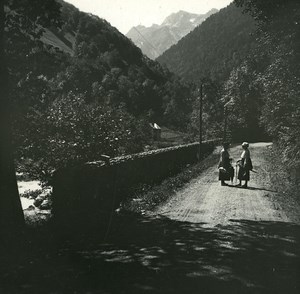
[(252, 188), (260, 189), (159, 255)]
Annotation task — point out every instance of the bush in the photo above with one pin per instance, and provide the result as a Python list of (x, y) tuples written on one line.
[(71, 131)]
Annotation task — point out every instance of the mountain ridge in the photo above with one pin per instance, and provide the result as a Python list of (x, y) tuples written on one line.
[(156, 39), (212, 49)]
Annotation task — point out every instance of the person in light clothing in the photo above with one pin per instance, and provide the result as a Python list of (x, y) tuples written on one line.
[(245, 165)]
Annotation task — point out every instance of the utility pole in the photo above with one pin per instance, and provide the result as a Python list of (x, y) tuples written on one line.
[(227, 107), (225, 123), (200, 119)]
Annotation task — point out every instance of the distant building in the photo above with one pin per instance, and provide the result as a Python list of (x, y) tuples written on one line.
[(156, 131)]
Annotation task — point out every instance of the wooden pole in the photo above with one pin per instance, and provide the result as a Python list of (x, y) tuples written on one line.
[(225, 124), (200, 119)]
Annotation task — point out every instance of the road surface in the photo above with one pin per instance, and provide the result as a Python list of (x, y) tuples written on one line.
[(206, 201)]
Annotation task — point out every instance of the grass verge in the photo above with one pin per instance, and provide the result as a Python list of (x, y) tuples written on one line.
[(285, 182)]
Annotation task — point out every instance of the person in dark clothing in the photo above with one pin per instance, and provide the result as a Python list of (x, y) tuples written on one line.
[(226, 171), (231, 171)]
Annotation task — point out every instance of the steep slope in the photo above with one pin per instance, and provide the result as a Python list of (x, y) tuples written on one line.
[(214, 48), (81, 89), (93, 58), (63, 42), (156, 39)]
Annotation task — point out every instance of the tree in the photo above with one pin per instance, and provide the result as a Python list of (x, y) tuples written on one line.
[(11, 214), (278, 46), (242, 95), (28, 14)]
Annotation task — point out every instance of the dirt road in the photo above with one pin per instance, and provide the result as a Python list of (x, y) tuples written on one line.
[(206, 201)]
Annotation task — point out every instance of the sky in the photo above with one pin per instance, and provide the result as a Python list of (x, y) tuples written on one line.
[(124, 14)]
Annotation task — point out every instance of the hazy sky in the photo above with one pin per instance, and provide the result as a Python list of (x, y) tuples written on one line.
[(124, 14)]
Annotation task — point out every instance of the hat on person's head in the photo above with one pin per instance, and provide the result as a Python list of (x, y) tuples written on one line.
[(245, 144)]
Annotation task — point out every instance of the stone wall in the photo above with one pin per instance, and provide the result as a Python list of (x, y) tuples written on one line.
[(95, 188)]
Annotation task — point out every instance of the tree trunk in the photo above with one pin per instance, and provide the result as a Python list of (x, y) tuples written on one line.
[(11, 212)]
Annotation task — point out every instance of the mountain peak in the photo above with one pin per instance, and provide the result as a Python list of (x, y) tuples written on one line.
[(213, 10), (176, 17), (156, 39)]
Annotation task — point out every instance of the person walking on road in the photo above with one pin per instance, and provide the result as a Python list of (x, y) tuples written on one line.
[(226, 171), (245, 165)]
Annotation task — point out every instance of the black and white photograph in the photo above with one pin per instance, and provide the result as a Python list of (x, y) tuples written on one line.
[(150, 146)]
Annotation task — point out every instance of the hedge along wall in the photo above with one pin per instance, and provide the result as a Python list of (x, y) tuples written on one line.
[(87, 191)]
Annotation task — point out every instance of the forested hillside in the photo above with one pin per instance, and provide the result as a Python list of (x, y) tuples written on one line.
[(81, 89), (207, 56), (214, 48)]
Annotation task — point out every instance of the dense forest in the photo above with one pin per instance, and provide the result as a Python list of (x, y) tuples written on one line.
[(81, 89), (266, 86)]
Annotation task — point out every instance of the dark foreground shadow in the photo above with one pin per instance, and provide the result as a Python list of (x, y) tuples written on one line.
[(158, 255)]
